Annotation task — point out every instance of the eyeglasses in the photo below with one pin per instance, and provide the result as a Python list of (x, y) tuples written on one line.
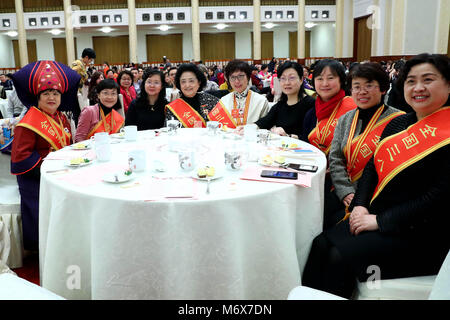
[(367, 88), (239, 77), (290, 79), (149, 83)]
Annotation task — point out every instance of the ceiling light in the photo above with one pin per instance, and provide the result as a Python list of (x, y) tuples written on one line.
[(56, 21), (309, 25), (12, 33), (290, 14), (44, 21), (220, 26), (243, 15), (269, 25), (325, 14), (279, 14), (268, 14), (32, 21), (6, 23), (106, 19), (314, 14), (106, 29), (163, 27), (117, 18), (56, 31), (231, 15)]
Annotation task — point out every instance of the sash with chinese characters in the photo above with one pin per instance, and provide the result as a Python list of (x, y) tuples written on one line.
[(111, 123), (46, 127), (323, 133), (220, 113), (241, 118), (359, 150), (185, 113), (399, 151)]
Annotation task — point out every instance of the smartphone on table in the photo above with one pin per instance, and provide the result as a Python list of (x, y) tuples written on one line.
[(279, 174), (303, 167)]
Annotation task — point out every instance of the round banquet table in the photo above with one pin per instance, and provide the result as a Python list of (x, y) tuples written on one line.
[(244, 240)]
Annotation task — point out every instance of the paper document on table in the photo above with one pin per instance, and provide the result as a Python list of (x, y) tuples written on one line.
[(88, 176), (254, 173), (170, 188), (69, 154)]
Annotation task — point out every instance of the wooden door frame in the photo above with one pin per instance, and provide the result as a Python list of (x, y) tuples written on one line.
[(355, 35)]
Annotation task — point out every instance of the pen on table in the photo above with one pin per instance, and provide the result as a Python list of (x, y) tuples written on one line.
[(59, 170)]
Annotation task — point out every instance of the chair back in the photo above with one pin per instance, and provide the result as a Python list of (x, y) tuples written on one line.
[(121, 110), (277, 89), (81, 101), (441, 286)]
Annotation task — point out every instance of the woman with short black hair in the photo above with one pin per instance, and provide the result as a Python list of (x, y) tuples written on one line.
[(103, 116), (193, 107)]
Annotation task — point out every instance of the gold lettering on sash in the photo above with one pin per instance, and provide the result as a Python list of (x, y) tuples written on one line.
[(220, 118), (51, 131), (187, 114), (215, 111), (410, 141), (334, 123), (382, 163), (44, 124), (376, 140), (365, 150), (191, 120), (392, 152), (429, 131)]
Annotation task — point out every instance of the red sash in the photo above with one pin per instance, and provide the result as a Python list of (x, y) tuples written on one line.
[(111, 123), (399, 151), (46, 127), (185, 113), (323, 133), (221, 114), (359, 150)]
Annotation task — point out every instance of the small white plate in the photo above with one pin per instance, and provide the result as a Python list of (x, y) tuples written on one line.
[(80, 146), (273, 164), (218, 174), (120, 135), (82, 164), (118, 177)]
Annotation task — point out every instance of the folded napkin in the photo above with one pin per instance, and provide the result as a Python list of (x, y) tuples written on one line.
[(254, 173)]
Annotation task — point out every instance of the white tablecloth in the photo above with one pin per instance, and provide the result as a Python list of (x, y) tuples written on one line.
[(245, 240)]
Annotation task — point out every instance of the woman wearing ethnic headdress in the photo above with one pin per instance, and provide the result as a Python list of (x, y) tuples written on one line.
[(46, 88), (103, 116), (357, 134), (399, 216), (193, 106)]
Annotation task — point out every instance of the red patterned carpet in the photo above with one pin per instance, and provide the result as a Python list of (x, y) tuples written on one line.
[(30, 269)]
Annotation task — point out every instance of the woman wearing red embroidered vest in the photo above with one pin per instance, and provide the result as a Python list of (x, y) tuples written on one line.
[(101, 117), (357, 134), (125, 80), (46, 88), (399, 217)]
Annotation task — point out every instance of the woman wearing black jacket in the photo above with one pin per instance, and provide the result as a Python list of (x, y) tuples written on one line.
[(148, 110), (399, 217)]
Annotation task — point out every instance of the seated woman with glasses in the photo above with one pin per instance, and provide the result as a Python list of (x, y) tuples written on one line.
[(243, 106), (398, 225), (147, 111), (286, 117), (193, 107), (101, 117), (357, 134)]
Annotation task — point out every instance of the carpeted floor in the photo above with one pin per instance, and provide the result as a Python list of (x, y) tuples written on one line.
[(30, 269)]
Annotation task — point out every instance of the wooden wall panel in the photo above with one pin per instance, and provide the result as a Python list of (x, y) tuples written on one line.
[(114, 50), (362, 41), (266, 45), (293, 44), (169, 45), (217, 46), (31, 48), (60, 50)]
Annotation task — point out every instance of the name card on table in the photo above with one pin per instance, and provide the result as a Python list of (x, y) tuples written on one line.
[(254, 173), (170, 188), (84, 177)]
